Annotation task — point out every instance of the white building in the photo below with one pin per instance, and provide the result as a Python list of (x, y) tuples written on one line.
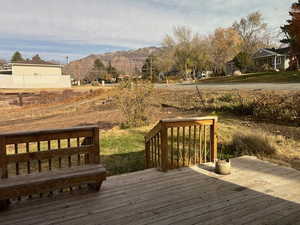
[(24, 75)]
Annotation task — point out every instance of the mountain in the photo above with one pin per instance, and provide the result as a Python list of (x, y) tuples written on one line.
[(127, 62)]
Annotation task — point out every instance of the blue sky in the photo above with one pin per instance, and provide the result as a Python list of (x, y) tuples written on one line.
[(76, 28)]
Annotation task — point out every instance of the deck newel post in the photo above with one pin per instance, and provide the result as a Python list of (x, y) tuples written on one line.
[(96, 157), (164, 148), (213, 141), (4, 172), (147, 154)]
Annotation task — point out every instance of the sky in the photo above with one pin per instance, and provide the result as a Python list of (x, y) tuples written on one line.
[(76, 28)]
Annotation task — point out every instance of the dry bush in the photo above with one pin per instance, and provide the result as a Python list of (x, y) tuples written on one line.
[(134, 101), (284, 107), (252, 144)]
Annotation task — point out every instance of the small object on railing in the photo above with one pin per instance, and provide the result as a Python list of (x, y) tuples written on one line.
[(223, 167)]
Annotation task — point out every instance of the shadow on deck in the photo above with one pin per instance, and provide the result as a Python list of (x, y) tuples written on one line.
[(256, 192)]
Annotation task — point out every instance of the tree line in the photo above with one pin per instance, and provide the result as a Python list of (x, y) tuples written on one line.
[(101, 72), (17, 57), (186, 53)]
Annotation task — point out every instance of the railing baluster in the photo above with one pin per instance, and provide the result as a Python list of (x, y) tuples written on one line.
[(164, 149), (200, 144), (189, 154), (59, 158), (28, 162), (158, 149), (17, 163), (178, 130), (172, 148), (183, 145), (49, 160), (151, 152), (205, 144), (78, 155), (194, 145), (39, 161), (155, 150), (69, 157), (147, 154)]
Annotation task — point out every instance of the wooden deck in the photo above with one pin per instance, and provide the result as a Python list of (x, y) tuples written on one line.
[(257, 192)]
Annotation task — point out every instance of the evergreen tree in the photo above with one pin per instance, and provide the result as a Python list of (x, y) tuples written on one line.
[(292, 35), (98, 65), (98, 71), (149, 70), (37, 59), (17, 57), (112, 70)]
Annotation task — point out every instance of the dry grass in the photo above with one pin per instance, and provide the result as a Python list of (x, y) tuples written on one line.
[(123, 149), (240, 140)]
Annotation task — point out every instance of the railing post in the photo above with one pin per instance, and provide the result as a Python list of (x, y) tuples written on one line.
[(96, 155), (164, 148), (213, 141), (147, 154), (3, 163)]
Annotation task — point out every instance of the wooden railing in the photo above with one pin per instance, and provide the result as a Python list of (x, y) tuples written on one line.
[(27, 152), (175, 143)]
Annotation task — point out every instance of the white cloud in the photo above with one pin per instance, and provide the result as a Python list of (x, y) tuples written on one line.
[(130, 23)]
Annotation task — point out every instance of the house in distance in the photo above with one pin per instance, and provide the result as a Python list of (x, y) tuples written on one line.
[(278, 59), (29, 75)]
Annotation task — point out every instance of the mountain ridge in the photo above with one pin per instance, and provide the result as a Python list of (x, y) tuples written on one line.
[(126, 62)]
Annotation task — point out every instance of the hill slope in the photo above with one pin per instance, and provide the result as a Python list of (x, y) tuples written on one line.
[(124, 61)]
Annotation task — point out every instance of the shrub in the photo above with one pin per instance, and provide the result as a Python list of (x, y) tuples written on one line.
[(260, 105), (266, 68), (134, 101), (252, 144), (227, 97)]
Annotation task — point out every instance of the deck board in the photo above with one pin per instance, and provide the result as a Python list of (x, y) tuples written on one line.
[(256, 192)]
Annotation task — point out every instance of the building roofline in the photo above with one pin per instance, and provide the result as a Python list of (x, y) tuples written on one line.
[(272, 53), (32, 64)]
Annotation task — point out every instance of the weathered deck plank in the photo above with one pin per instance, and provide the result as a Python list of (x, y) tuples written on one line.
[(257, 192)]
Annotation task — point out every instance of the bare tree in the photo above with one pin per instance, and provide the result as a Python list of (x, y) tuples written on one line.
[(225, 45), (253, 32)]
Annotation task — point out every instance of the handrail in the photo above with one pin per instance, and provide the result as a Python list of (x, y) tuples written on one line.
[(191, 119), (177, 142), (153, 131)]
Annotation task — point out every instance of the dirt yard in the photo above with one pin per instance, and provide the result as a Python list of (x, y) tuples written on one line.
[(42, 109)]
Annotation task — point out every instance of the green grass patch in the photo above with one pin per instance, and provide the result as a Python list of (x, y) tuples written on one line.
[(266, 77), (122, 151)]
